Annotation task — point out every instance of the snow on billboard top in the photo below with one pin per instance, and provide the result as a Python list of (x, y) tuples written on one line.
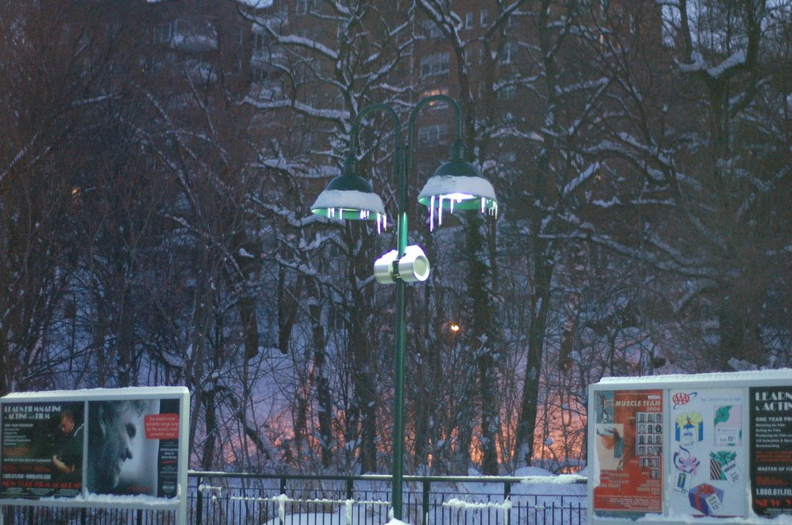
[(781, 374), (88, 393)]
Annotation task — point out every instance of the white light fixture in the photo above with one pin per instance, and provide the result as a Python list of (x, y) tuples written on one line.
[(413, 267), (383, 267)]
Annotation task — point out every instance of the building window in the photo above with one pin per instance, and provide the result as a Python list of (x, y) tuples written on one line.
[(508, 92), (435, 104), (508, 52), (431, 29), (435, 64), (259, 74), (484, 17), (433, 134), (469, 21), (163, 33), (507, 157), (302, 7), (259, 42)]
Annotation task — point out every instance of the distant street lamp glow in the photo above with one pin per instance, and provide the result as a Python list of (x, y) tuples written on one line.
[(456, 184)]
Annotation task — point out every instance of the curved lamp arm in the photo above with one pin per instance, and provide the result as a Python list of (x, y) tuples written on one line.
[(399, 166), (411, 126), (354, 141)]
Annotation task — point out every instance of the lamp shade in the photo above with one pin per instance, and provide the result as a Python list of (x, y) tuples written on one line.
[(459, 192), (457, 185), (350, 196)]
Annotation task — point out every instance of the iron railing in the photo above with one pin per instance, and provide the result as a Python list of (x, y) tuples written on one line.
[(221, 498)]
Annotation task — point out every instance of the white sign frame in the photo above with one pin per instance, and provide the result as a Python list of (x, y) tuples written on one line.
[(715, 390), (160, 428)]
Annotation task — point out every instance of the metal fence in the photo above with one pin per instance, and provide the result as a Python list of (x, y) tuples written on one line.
[(54, 515), (218, 498)]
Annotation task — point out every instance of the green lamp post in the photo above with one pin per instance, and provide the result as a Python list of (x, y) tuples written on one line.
[(455, 185)]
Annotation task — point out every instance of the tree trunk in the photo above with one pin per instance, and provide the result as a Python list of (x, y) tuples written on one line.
[(323, 395), (483, 340), (526, 424), (211, 431), (541, 270), (364, 367)]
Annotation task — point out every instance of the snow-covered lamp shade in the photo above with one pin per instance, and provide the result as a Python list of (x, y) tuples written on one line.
[(350, 197), (457, 185)]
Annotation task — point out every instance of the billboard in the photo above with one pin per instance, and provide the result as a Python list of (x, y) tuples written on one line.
[(709, 458), (104, 447), (629, 447), (675, 448), (771, 450)]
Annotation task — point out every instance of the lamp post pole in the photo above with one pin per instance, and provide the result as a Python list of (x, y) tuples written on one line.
[(403, 161), (349, 196), (399, 355)]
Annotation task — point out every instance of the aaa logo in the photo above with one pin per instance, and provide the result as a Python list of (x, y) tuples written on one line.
[(683, 398)]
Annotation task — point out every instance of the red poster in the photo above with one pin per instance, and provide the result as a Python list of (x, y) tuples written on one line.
[(628, 451)]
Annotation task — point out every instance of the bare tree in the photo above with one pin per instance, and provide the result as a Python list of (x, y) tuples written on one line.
[(324, 75), (43, 93)]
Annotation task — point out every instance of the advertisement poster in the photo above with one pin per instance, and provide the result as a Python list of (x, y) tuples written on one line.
[(102, 445), (629, 450), (127, 440), (42, 449), (771, 450), (708, 452)]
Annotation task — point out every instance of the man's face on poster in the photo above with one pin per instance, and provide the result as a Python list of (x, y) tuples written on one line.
[(66, 424), (119, 432)]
